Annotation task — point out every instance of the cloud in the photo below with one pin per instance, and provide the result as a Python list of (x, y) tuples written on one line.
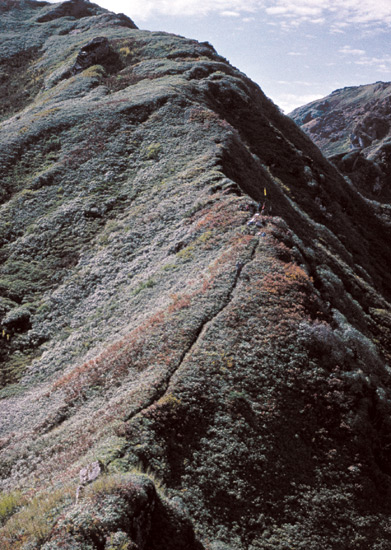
[(309, 84), (339, 13), (380, 64), (359, 57), (228, 13), (288, 102), (347, 50), (141, 10), (277, 10)]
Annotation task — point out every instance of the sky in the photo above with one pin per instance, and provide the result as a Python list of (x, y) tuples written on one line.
[(296, 50)]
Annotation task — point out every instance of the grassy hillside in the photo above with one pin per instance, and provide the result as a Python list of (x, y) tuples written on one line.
[(230, 380)]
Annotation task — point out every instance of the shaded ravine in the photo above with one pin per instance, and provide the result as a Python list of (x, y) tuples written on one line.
[(161, 391)]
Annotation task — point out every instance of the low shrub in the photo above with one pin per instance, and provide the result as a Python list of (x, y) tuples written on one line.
[(149, 283)]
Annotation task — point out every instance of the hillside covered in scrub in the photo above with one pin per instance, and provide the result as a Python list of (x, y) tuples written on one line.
[(229, 381)]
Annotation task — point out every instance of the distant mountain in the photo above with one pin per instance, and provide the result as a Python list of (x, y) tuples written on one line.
[(352, 127), (177, 372)]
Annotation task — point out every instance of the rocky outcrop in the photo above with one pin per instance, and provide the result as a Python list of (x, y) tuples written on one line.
[(354, 120), (367, 131), (123, 512), (79, 9), (96, 52), (87, 475), (70, 8)]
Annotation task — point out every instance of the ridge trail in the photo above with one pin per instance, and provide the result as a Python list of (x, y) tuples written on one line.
[(161, 391)]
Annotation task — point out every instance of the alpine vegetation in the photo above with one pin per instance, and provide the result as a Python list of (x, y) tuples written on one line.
[(194, 304)]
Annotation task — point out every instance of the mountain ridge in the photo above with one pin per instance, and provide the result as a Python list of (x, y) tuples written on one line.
[(352, 127), (149, 327)]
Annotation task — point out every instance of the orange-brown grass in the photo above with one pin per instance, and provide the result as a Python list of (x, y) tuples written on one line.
[(292, 279), (132, 351), (222, 214), (202, 115), (157, 344), (118, 356)]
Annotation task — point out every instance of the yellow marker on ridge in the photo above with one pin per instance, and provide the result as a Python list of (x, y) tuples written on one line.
[(264, 191)]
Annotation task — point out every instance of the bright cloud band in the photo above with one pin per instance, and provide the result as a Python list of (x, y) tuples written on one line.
[(297, 11)]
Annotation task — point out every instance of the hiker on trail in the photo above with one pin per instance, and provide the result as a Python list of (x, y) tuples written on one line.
[(255, 220), (252, 221), (249, 207)]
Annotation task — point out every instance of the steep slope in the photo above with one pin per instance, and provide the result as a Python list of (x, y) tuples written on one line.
[(352, 126), (148, 327)]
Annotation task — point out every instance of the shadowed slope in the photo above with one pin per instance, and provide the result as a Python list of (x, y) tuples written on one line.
[(352, 127)]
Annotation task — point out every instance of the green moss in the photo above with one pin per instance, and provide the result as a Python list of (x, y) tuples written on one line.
[(169, 267), (14, 366), (9, 503), (95, 71), (152, 151), (33, 162), (187, 253), (22, 279), (142, 286), (205, 236), (27, 193)]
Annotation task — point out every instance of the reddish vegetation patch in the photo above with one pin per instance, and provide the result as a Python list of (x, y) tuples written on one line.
[(159, 341)]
